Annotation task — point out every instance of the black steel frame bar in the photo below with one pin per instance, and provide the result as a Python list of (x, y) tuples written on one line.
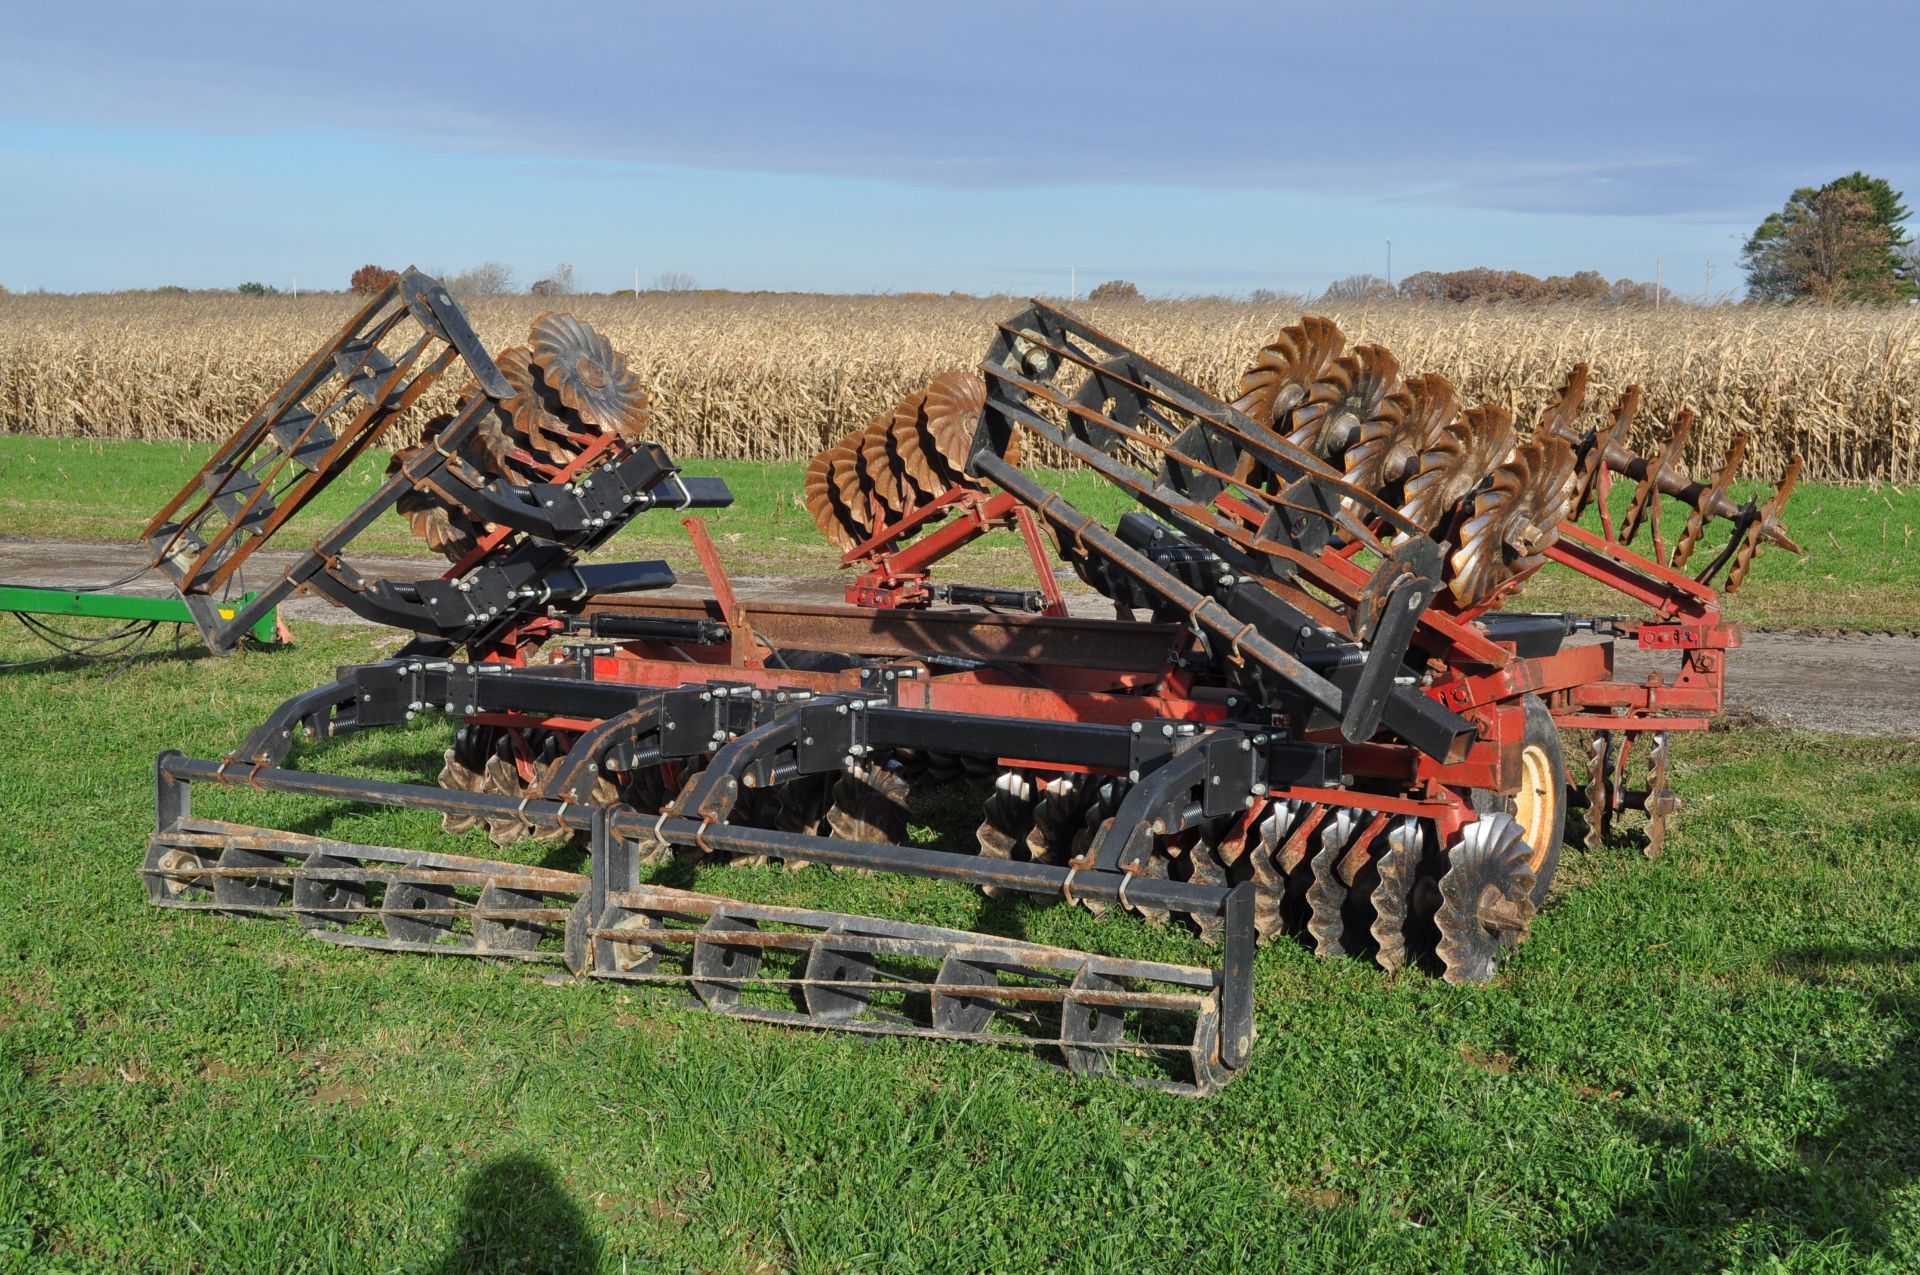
[(175, 772)]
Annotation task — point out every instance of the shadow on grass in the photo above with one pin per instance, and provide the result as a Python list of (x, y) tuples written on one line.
[(110, 661), (1840, 1191), (516, 1216)]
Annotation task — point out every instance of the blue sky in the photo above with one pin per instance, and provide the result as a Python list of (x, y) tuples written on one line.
[(985, 147)]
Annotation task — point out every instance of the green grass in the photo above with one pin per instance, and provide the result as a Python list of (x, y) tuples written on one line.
[(1705, 1062), (1861, 569)]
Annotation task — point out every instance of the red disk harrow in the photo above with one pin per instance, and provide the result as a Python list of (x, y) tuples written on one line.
[(1311, 715)]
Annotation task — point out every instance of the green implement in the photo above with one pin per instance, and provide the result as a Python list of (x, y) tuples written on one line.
[(25, 599)]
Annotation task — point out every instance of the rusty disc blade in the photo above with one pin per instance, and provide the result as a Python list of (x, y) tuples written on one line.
[(886, 470), (1464, 453), (437, 524), (822, 494), (1353, 390), (534, 408), (441, 526), (588, 375), (1516, 518), (1562, 415), (854, 488), (1486, 898), (952, 407), (1286, 368), (919, 454), (919, 449), (1393, 439), (1593, 450), (869, 803), (492, 447)]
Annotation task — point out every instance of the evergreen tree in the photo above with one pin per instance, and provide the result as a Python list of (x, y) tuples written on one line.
[(1843, 241)]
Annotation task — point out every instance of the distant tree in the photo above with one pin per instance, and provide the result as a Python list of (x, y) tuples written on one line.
[(1485, 285), (672, 281), (252, 289), (1359, 287), (557, 284), (1841, 242), (1476, 284), (1424, 285), (1628, 292), (1584, 285), (488, 279), (1481, 285), (1518, 285), (1887, 208), (370, 279), (1114, 290)]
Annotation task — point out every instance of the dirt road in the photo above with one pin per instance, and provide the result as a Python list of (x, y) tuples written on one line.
[(1854, 684)]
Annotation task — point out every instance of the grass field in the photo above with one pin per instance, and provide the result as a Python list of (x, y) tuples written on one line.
[(1704, 1062), (776, 377), (1861, 569)]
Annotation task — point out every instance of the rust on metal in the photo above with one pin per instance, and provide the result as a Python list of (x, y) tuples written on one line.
[(1309, 716)]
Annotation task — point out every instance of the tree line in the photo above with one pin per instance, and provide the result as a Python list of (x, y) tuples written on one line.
[(1484, 285), (1841, 243), (1844, 242)]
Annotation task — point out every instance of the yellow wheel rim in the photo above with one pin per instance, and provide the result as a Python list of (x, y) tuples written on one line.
[(1537, 804)]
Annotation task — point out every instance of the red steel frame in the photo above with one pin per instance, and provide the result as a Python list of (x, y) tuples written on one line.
[(1479, 678)]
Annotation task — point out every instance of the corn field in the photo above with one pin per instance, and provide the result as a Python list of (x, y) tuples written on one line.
[(776, 377)]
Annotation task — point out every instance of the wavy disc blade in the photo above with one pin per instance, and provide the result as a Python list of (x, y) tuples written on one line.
[(1393, 892), (1327, 895), (1393, 439), (534, 407), (1486, 898), (1353, 390), (1515, 518), (848, 473), (1287, 367), (822, 492), (919, 455), (886, 470), (952, 407), (588, 375), (438, 525), (1562, 415), (1464, 453)]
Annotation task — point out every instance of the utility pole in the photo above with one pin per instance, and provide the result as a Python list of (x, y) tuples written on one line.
[(1706, 298), (1389, 263)]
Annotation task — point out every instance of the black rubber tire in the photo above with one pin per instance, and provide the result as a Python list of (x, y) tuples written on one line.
[(1542, 733)]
